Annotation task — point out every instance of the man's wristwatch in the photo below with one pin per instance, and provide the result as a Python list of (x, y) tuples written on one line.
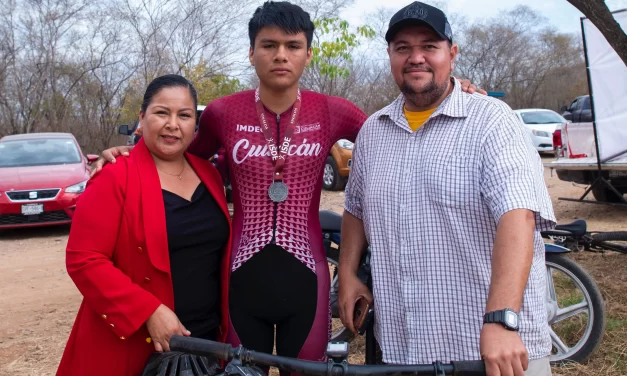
[(506, 317)]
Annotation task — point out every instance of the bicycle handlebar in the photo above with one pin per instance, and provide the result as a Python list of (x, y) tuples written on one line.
[(197, 346), (226, 352)]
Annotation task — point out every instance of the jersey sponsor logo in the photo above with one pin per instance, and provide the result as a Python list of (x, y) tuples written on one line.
[(305, 149), (307, 128), (248, 128)]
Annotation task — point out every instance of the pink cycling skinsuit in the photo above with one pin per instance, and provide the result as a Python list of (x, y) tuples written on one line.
[(279, 273)]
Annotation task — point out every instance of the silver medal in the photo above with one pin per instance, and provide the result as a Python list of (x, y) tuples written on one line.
[(278, 191)]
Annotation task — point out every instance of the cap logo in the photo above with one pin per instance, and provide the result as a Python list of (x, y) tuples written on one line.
[(416, 11)]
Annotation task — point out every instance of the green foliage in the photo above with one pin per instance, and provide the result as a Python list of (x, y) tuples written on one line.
[(333, 45)]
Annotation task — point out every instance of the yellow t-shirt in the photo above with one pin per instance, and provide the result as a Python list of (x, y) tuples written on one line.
[(417, 119)]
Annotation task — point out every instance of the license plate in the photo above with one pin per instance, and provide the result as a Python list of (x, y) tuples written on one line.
[(32, 209)]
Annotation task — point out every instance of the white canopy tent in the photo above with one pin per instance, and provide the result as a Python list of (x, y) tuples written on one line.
[(608, 89)]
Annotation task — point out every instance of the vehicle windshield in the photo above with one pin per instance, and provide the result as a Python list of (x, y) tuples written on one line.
[(541, 117), (38, 152)]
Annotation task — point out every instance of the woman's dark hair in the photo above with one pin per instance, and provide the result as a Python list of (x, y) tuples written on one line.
[(288, 17), (163, 82)]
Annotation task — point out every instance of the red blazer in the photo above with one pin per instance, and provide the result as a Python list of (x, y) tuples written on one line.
[(117, 255)]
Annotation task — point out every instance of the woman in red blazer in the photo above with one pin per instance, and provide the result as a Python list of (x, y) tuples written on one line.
[(149, 244)]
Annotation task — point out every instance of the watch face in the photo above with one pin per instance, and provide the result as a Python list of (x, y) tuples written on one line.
[(511, 319)]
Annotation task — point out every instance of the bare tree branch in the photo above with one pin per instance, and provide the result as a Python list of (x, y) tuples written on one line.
[(600, 15)]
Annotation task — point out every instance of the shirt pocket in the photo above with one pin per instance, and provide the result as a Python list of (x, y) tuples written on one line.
[(452, 181)]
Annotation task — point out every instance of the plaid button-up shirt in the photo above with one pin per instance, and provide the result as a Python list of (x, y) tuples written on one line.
[(430, 201)]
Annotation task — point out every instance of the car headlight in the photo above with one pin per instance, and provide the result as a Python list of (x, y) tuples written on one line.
[(541, 133), (76, 188), (345, 144)]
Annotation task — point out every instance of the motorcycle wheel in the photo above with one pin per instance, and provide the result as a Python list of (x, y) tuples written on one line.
[(575, 309)]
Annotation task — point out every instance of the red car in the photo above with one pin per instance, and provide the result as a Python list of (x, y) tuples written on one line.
[(41, 177)]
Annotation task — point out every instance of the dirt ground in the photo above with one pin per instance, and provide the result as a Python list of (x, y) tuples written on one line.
[(38, 301)]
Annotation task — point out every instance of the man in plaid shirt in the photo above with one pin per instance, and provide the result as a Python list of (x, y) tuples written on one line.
[(449, 193)]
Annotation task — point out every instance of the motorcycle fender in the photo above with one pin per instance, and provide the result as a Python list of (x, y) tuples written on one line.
[(552, 248)]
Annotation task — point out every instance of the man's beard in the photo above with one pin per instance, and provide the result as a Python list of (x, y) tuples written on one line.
[(426, 97)]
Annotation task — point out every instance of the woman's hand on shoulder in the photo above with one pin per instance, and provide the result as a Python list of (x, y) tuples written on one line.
[(162, 325)]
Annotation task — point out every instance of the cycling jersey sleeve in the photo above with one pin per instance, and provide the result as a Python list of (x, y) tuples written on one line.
[(346, 118), (207, 139)]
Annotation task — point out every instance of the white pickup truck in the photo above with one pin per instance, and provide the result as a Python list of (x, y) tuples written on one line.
[(576, 161)]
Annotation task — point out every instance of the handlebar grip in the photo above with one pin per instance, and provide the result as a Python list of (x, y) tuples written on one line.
[(201, 347), (469, 368)]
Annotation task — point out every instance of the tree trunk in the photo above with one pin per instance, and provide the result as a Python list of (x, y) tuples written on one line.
[(600, 15)]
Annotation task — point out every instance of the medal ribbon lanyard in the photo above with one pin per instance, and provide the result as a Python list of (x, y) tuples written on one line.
[(277, 152)]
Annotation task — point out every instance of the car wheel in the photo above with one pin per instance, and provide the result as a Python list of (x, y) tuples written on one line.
[(331, 179)]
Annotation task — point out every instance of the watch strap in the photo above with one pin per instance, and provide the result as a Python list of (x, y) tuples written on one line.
[(497, 317), (494, 317)]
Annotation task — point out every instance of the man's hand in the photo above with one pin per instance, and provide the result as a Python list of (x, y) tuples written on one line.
[(349, 289), (503, 351), (469, 87), (162, 325), (108, 156)]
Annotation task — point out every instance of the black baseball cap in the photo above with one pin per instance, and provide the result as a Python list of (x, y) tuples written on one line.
[(418, 13)]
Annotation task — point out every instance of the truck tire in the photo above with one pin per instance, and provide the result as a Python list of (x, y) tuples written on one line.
[(603, 194)]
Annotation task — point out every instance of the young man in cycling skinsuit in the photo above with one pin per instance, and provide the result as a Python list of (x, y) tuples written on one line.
[(279, 271), (279, 274)]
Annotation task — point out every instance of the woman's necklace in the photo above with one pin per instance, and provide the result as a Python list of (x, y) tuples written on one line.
[(177, 175)]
